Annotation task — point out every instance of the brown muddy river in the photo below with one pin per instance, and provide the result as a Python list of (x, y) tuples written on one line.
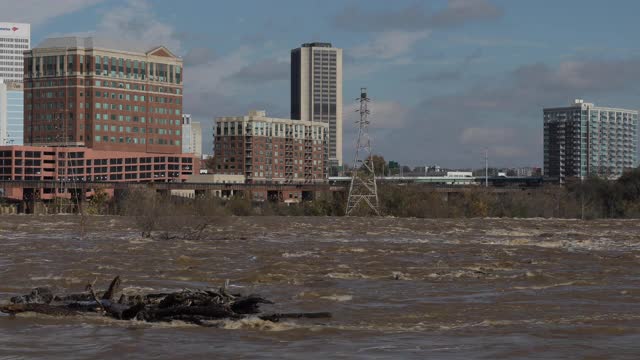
[(397, 288)]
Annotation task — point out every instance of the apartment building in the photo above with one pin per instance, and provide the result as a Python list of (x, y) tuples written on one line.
[(271, 149), (583, 139)]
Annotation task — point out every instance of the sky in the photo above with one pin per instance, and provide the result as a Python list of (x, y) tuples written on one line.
[(447, 78)]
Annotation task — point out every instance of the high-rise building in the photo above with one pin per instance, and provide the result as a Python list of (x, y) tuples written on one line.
[(583, 139), (316, 90), (15, 38), (196, 138), (191, 136), (265, 149), (11, 113), (103, 95)]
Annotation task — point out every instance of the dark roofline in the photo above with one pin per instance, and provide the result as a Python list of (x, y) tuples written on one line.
[(317, 44)]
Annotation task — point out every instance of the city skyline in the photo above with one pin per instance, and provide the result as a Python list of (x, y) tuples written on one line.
[(445, 78)]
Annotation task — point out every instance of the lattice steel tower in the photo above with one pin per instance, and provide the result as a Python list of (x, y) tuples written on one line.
[(363, 190)]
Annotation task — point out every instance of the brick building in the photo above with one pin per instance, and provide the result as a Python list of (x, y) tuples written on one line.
[(270, 149), (82, 164), (99, 94)]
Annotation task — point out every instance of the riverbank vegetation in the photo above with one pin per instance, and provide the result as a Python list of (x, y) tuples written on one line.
[(589, 199), (592, 198)]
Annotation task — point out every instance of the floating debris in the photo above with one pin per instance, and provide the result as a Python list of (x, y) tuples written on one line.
[(193, 306)]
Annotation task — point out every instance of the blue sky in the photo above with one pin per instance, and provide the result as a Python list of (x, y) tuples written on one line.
[(447, 78)]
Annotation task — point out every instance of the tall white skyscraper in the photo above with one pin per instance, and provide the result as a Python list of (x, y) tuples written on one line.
[(196, 138), (186, 133), (316, 90), (14, 39), (191, 136)]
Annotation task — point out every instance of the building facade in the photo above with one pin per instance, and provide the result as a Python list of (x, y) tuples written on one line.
[(186, 133), (191, 136), (15, 38), (11, 113), (265, 149), (211, 179), (99, 94), (196, 138), (583, 140), (82, 164), (316, 91)]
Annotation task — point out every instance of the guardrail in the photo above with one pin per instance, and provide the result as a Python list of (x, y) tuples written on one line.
[(50, 184)]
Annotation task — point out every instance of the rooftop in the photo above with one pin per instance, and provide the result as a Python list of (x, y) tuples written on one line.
[(581, 104), (261, 115), (317, 44), (93, 42)]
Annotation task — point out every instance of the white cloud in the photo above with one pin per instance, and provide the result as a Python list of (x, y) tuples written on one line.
[(136, 22), (390, 45), (262, 71), (133, 25), (213, 74), (384, 115), (508, 151), (494, 42), (417, 16), (37, 12), (485, 136), (353, 71)]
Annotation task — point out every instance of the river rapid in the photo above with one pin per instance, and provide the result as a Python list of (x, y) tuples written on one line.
[(397, 288)]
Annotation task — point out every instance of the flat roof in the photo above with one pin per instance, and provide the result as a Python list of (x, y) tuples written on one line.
[(317, 44), (261, 115), (591, 106)]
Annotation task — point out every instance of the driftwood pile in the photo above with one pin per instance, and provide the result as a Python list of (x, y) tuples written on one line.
[(192, 306)]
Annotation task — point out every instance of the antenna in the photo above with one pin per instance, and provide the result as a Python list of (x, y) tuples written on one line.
[(363, 189)]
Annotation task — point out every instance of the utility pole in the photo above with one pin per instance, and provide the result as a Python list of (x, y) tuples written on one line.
[(582, 197), (363, 189), (486, 167)]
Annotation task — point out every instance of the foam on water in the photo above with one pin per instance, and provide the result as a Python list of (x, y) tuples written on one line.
[(339, 298), (255, 323)]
